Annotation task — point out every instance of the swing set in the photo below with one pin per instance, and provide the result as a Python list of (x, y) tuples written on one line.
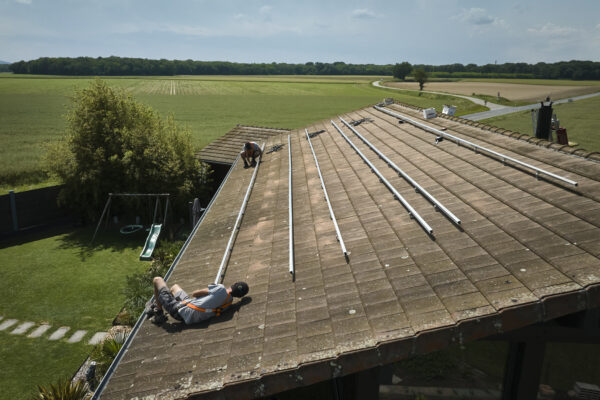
[(155, 227)]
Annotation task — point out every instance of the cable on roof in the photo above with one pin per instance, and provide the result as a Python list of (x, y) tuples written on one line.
[(314, 134), (360, 121), (275, 148)]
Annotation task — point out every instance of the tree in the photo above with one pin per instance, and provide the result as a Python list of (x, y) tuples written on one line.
[(115, 144), (401, 70), (420, 76)]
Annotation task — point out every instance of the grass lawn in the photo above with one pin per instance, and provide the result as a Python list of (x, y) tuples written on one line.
[(579, 117), (58, 279), (34, 108)]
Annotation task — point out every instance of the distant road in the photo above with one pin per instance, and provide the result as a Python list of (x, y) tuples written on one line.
[(508, 110), (494, 109), (491, 106)]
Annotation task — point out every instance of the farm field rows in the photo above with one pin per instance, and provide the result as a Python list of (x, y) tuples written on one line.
[(530, 91), (34, 108)]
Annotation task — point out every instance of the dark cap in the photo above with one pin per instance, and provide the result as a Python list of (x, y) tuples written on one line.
[(239, 289)]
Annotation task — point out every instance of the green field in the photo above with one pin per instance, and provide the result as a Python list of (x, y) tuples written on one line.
[(579, 117), (59, 279), (33, 108)]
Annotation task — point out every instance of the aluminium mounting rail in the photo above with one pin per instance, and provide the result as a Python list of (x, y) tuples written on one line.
[(476, 147), (234, 231), (331, 214), (417, 187), (411, 211), (290, 211)]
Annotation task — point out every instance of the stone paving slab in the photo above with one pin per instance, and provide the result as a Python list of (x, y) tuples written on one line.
[(97, 338), (7, 323), (59, 333), (22, 328), (39, 331), (77, 336)]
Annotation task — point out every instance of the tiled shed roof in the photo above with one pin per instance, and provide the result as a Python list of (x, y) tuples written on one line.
[(225, 149), (527, 251)]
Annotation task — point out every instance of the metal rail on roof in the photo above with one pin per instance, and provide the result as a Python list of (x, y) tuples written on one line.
[(417, 187), (234, 231), (476, 147), (331, 214), (412, 212), (291, 212)]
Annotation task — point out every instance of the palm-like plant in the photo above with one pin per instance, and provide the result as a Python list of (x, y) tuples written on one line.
[(63, 390)]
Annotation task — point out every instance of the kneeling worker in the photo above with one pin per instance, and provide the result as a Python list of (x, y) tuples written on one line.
[(251, 150), (202, 305)]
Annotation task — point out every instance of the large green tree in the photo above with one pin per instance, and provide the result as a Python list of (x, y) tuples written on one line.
[(401, 70), (115, 144)]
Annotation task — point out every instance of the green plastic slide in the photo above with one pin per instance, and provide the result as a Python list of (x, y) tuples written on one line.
[(146, 254)]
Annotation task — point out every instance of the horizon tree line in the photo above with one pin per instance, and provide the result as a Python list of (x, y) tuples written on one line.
[(119, 66)]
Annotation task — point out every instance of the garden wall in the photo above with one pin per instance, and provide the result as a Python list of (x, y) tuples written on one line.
[(31, 208)]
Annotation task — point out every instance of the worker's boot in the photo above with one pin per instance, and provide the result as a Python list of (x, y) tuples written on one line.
[(254, 163), (151, 308), (159, 317)]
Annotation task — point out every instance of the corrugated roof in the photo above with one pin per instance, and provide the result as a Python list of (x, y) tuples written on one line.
[(225, 149), (527, 250)]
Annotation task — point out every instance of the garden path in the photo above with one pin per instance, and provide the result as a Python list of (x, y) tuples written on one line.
[(22, 327)]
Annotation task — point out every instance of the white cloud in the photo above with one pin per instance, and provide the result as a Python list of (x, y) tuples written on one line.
[(477, 16), (23, 1), (553, 30), (264, 10), (363, 13)]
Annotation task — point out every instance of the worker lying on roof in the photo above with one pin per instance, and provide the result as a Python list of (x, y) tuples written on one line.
[(202, 305), (251, 150)]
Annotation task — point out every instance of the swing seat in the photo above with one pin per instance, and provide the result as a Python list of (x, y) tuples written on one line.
[(151, 240)]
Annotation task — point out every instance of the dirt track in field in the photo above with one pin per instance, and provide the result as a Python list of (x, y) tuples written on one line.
[(511, 91)]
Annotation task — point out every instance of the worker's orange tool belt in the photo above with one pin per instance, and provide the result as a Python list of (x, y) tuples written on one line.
[(217, 310)]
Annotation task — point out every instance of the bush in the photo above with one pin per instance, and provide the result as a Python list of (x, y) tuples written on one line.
[(63, 390), (139, 287), (115, 144), (105, 352)]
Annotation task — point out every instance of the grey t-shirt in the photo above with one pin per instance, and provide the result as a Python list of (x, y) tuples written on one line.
[(217, 295)]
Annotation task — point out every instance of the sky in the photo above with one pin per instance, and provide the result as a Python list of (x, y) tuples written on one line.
[(359, 32)]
